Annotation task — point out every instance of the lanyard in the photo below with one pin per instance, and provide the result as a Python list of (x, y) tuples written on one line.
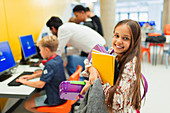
[(45, 61)]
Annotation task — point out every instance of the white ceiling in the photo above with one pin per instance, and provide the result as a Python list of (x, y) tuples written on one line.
[(119, 1), (136, 0)]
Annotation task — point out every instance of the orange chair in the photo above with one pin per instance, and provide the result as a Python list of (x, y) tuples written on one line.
[(158, 44), (148, 52), (76, 75), (167, 29), (66, 107), (155, 34)]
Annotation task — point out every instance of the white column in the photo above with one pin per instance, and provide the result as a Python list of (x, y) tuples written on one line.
[(107, 8), (166, 14)]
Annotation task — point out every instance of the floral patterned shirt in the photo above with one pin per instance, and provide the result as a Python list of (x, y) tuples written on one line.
[(124, 89)]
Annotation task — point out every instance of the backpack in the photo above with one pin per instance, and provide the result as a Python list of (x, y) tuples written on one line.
[(145, 91), (156, 39), (146, 86)]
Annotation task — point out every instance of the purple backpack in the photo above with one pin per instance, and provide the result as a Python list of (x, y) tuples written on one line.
[(146, 86)]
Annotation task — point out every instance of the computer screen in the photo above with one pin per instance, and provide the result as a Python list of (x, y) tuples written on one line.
[(6, 57), (28, 46)]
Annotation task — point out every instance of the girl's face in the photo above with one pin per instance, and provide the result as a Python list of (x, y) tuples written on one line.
[(43, 52), (121, 39)]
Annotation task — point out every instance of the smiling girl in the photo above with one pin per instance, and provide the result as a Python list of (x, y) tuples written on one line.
[(125, 95)]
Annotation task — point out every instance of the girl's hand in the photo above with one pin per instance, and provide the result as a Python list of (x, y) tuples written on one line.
[(85, 88), (94, 74)]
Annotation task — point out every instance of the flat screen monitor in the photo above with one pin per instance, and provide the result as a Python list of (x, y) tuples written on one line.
[(28, 46), (6, 58)]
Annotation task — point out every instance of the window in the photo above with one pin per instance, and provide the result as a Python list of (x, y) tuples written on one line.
[(123, 16), (138, 16), (133, 16), (143, 16)]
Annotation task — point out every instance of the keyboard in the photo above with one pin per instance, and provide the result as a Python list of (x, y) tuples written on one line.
[(14, 83)]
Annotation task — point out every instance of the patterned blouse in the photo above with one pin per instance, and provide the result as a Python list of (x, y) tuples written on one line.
[(124, 89)]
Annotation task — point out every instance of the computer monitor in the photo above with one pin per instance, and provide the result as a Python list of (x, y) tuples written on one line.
[(28, 48), (6, 60)]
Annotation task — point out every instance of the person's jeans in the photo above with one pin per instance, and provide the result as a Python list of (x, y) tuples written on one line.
[(73, 61)]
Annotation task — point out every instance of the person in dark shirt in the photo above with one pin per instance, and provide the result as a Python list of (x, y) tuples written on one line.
[(50, 78), (80, 13), (96, 19)]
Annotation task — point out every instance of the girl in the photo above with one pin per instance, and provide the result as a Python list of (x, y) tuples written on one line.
[(125, 94)]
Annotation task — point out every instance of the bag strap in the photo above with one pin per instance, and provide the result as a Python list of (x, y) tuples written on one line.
[(146, 86)]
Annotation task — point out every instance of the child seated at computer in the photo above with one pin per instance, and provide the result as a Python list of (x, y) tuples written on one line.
[(50, 78)]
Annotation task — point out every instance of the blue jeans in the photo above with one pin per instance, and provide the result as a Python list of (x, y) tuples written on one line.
[(73, 61)]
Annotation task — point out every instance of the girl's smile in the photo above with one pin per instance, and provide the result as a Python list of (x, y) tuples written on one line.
[(122, 39)]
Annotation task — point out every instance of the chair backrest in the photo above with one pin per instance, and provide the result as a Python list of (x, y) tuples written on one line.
[(76, 75), (167, 29)]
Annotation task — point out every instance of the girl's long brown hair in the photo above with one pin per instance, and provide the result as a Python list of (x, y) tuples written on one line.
[(134, 50)]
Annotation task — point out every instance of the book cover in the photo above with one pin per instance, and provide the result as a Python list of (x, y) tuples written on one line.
[(98, 48), (105, 64)]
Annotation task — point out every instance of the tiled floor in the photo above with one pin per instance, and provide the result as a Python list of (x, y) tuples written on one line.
[(158, 96)]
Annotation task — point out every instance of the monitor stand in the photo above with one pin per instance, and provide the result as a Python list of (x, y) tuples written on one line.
[(25, 62), (4, 76), (30, 63)]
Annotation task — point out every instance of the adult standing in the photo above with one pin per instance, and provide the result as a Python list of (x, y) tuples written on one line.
[(96, 19), (80, 13), (76, 35)]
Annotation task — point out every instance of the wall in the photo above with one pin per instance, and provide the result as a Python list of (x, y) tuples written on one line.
[(155, 13), (3, 27), (3, 37), (23, 17)]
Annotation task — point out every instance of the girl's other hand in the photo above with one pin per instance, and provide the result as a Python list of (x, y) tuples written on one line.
[(85, 88)]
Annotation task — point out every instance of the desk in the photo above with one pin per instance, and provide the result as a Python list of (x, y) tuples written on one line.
[(21, 91)]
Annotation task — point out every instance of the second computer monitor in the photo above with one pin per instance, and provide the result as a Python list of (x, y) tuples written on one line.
[(28, 46)]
